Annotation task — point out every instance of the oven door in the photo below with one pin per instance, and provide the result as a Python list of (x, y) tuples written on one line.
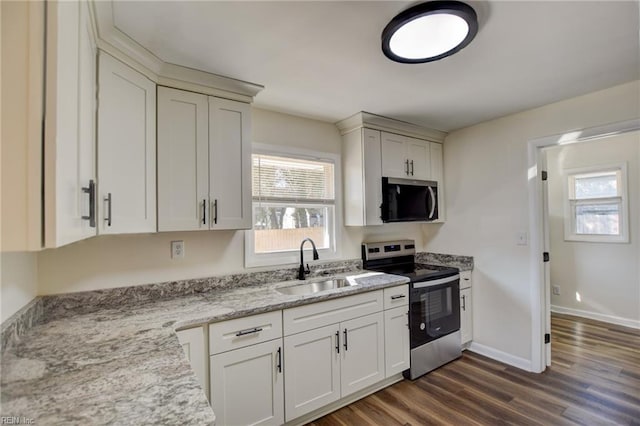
[(434, 309)]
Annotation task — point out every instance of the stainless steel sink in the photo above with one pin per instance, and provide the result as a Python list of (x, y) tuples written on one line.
[(314, 287)]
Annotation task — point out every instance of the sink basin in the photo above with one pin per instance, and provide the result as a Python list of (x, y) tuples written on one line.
[(314, 287)]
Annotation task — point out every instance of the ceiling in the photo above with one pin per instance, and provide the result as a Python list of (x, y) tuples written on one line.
[(322, 59)]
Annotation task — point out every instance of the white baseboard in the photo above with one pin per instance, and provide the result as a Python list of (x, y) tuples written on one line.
[(489, 352), (596, 316)]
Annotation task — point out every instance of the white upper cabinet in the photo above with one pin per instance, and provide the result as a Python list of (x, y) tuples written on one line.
[(126, 149), (405, 157), (70, 142), (368, 154), (362, 174), (204, 162), (183, 160), (229, 164), (437, 174)]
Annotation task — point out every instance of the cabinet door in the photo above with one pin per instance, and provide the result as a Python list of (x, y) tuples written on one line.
[(183, 160), (372, 176), (126, 149), (230, 164), (362, 362), (70, 125), (394, 155), (396, 343), (312, 376), (466, 316), (437, 174), (192, 341), (247, 385), (419, 159)]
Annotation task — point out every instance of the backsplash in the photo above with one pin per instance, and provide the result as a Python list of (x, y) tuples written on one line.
[(57, 305), (464, 263), (45, 308), (19, 323)]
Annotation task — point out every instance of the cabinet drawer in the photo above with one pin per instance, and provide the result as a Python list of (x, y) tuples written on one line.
[(465, 279), (396, 296), (317, 315), (238, 333)]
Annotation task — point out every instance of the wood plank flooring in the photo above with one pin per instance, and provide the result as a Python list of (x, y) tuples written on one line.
[(594, 379)]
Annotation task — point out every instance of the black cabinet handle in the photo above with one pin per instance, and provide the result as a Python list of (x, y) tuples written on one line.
[(250, 331), (204, 211), (215, 211), (398, 296), (406, 167), (337, 342), (346, 345), (109, 202), (91, 190), (279, 360), (411, 167), (464, 302)]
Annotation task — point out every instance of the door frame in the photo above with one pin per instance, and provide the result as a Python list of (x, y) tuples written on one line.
[(540, 306)]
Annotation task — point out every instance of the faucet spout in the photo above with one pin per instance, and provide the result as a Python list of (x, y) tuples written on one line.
[(302, 272)]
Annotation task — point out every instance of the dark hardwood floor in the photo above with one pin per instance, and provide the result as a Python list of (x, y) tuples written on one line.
[(594, 379)]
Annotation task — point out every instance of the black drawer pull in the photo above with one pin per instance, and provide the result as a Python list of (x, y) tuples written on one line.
[(251, 331), (279, 366), (398, 296), (337, 342)]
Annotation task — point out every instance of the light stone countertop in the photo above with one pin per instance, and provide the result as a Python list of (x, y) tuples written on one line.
[(124, 364)]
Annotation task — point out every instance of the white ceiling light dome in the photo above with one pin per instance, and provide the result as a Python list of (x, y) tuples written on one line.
[(429, 31)]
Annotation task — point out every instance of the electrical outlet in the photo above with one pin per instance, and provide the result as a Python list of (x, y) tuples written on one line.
[(177, 249), (556, 290)]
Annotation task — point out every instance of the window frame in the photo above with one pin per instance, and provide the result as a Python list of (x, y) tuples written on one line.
[(571, 203), (252, 259)]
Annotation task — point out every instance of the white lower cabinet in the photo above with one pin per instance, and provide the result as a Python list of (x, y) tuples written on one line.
[(192, 342), (362, 360), (466, 313), (247, 385), (466, 319), (396, 340), (336, 360), (312, 376)]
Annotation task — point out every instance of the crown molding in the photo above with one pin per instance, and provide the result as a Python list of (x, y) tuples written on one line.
[(378, 122), (118, 44)]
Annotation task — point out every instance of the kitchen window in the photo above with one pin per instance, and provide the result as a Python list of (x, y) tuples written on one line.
[(294, 197), (596, 204)]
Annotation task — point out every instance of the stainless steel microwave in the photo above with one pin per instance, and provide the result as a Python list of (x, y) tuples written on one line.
[(408, 200)]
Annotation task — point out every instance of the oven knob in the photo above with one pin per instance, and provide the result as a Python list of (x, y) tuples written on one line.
[(422, 326)]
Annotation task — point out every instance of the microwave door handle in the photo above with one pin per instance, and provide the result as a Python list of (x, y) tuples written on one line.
[(433, 202)]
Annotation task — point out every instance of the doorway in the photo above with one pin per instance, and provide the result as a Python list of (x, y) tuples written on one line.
[(539, 229)]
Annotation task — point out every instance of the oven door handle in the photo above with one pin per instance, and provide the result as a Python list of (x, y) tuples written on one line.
[(422, 284)]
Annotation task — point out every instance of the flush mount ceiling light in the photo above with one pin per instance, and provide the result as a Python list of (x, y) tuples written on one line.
[(429, 31)]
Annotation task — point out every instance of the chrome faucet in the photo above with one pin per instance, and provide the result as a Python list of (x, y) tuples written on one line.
[(302, 272)]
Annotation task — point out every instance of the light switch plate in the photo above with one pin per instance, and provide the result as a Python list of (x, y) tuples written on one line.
[(522, 239), (556, 290), (177, 249)]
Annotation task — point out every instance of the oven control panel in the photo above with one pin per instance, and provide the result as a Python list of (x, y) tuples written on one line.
[(386, 249)]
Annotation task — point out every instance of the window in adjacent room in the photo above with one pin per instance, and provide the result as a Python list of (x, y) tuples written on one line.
[(596, 204), (294, 197)]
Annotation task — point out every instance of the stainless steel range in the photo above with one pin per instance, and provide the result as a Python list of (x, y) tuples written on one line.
[(434, 303)]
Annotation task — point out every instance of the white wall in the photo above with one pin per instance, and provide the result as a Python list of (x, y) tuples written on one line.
[(487, 205), (18, 278), (605, 275), (18, 281), (119, 260)]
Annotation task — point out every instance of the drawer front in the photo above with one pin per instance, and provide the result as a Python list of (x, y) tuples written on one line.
[(465, 279), (396, 296), (308, 317), (238, 333)]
